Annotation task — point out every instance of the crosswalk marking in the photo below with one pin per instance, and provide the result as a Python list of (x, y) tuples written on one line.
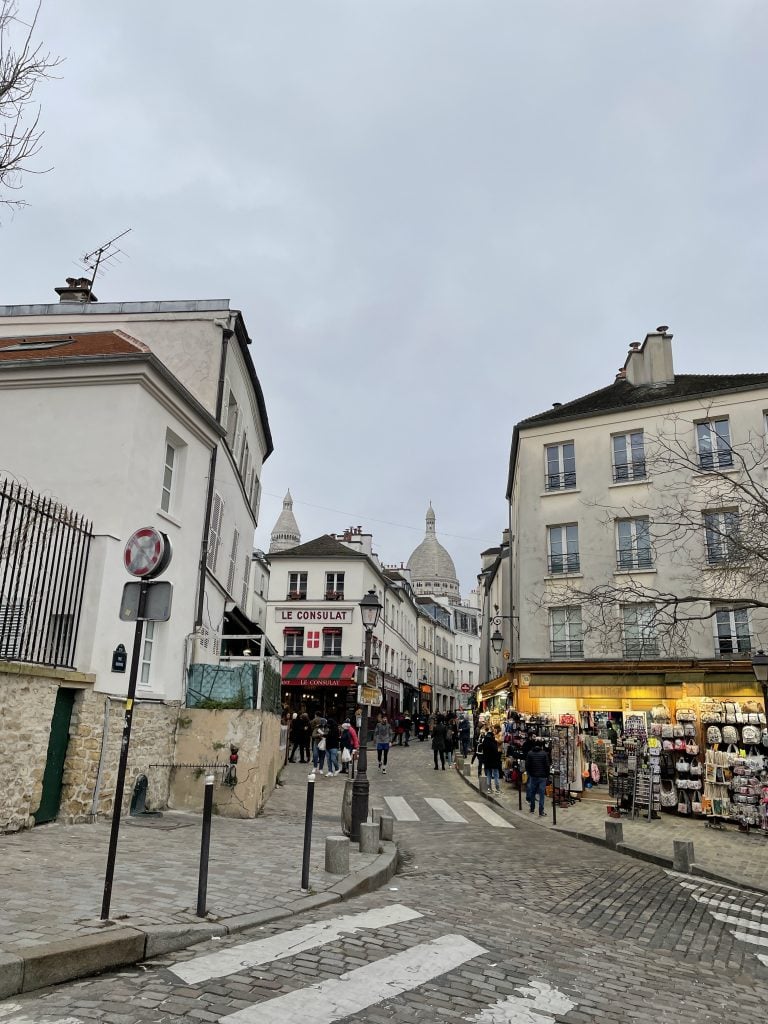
[(488, 815), (756, 940), (444, 809), (354, 991), (732, 911), (521, 1009), (732, 919), (285, 944), (401, 809)]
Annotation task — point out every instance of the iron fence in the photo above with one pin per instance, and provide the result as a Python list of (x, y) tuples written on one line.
[(44, 550)]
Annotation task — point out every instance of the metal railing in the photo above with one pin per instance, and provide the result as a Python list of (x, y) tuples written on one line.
[(568, 562), (716, 460), (641, 649), (567, 648), (560, 481), (629, 559), (733, 646), (44, 550), (634, 470)]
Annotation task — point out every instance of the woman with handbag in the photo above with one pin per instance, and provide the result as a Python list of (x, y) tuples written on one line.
[(349, 745)]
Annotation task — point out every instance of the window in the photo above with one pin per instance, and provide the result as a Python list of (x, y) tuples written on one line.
[(563, 544), (297, 586), (146, 653), (732, 634), (233, 562), (469, 656), (471, 682), (167, 493), (334, 586), (232, 421), (714, 444), (639, 632), (633, 544), (293, 642), (214, 531), (560, 466), (313, 640), (721, 530), (566, 636), (629, 456), (331, 643), (255, 493), (245, 460)]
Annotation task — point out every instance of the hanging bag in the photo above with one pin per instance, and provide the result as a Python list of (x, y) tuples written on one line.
[(730, 734), (668, 793), (714, 735), (750, 735)]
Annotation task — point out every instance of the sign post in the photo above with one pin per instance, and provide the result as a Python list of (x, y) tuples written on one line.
[(147, 553)]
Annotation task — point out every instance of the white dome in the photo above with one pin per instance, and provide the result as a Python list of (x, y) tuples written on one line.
[(286, 530), (432, 569)]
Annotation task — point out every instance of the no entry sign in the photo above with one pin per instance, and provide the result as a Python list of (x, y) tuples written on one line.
[(147, 553), (465, 688)]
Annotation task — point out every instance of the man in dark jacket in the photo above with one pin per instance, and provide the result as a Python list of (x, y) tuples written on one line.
[(537, 767)]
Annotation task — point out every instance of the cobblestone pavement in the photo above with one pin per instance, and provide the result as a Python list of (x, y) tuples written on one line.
[(51, 878), (515, 925)]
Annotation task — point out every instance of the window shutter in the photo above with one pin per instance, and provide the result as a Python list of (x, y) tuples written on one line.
[(233, 561), (246, 581), (214, 531)]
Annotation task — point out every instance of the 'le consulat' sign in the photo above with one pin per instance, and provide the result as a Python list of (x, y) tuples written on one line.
[(331, 616)]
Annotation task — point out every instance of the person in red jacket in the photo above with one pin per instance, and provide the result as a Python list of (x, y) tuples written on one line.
[(351, 742)]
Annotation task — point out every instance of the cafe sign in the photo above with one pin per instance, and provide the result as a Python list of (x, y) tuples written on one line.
[(328, 616)]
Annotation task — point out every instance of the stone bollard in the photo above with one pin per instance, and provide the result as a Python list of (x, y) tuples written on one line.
[(460, 762), (369, 837), (467, 770), (337, 855), (484, 784), (614, 834), (682, 858), (376, 813), (387, 827)]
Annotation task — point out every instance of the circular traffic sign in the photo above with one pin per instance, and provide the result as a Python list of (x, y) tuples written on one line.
[(147, 553), (465, 688)]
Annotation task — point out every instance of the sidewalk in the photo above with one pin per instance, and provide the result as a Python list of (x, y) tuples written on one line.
[(52, 877), (723, 854)]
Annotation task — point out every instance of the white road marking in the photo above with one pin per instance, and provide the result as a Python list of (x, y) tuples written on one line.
[(285, 944), (444, 809), (756, 940), (354, 991), (401, 808), (11, 1008), (730, 904), (522, 1010), (732, 900), (488, 815), (732, 919)]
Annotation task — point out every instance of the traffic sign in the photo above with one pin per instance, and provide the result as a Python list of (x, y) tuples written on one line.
[(465, 688), (147, 553), (157, 606)]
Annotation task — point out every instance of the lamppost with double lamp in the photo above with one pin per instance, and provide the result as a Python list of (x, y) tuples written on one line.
[(370, 610), (760, 668)]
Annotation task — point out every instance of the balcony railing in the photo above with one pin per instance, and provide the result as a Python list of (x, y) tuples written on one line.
[(629, 559), (634, 470), (296, 595), (560, 481), (733, 646), (641, 648), (334, 595), (567, 648), (563, 563), (709, 461)]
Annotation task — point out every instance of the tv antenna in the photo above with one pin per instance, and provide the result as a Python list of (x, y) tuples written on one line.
[(107, 254)]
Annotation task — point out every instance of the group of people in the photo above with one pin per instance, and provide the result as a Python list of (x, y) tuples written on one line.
[(449, 736), (331, 747), (488, 749)]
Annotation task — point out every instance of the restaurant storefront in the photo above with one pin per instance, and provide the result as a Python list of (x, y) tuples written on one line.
[(325, 687)]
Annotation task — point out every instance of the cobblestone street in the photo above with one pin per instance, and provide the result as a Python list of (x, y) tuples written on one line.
[(484, 923)]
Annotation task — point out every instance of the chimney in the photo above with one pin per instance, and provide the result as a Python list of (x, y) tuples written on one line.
[(77, 289), (651, 361)]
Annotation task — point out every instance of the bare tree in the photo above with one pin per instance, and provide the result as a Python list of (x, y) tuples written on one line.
[(24, 63), (705, 529)]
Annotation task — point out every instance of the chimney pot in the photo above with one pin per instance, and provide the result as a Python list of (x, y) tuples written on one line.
[(634, 345), (556, 405), (77, 289), (663, 329)]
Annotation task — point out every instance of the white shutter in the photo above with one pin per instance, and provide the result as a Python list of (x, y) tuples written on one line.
[(232, 562), (246, 582), (214, 531)]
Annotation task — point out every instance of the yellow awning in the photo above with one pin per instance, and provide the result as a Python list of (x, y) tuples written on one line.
[(492, 687)]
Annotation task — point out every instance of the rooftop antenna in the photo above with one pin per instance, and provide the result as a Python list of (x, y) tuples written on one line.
[(107, 254)]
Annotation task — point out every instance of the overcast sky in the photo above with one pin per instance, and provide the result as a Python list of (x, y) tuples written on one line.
[(437, 216)]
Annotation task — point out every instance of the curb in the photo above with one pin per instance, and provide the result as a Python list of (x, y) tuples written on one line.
[(24, 970)]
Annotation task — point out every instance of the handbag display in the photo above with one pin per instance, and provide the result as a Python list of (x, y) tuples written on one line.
[(689, 730), (750, 734), (668, 793), (714, 735), (660, 713), (730, 734), (682, 766), (667, 731), (692, 748), (685, 715)]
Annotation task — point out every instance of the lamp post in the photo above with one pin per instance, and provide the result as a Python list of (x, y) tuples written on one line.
[(760, 668), (370, 610), (408, 674)]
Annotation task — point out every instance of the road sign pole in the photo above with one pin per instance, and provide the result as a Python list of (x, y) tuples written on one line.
[(121, 770)]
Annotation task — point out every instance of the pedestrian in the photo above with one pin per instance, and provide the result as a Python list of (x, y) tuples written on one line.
[(477, 754), (464, 735), (294, 734), (450, 740), (537, 767), (349, 743), (438, 740), (407, 724), (382, 737), (491, 759), (332, 746), (318, 742)]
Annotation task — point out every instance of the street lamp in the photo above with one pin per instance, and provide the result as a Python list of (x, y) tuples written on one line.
[(760, 668), (370, 610), (497, 641)]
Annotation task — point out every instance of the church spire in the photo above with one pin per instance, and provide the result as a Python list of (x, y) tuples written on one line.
[(286, 532)]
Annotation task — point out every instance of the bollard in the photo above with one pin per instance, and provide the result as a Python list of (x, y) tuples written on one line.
[(369, 837), (614, 834), (460, 762), (387, 827), (307, 831), (337, 855), (205, 844), (483, 785), (466, 769), (682, 858), (555, 789), (376, 813), (519, 789)]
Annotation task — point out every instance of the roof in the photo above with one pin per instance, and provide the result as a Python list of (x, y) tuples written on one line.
[(68, 346), (430, 561), (624, 395), (321, 547)]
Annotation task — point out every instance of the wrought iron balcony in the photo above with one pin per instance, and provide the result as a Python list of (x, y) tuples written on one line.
[(563, 563)]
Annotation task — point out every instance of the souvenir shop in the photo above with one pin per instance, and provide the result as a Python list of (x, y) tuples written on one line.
[(696, 749)]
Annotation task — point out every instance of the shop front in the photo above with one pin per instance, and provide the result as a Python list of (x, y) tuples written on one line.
[(328, 688)]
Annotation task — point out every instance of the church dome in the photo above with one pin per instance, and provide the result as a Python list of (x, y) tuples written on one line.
[(286, 530), (431, 567)]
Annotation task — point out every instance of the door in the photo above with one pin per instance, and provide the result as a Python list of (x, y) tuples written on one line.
[(57, 753)]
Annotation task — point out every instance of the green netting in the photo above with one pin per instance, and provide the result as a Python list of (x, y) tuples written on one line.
[(234, 686)]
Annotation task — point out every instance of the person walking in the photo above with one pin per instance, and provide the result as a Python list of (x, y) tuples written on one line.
[(407, 724), (305, 737), (537, 767), (349, 743), (464, 735), (439, 740), (477, 754), (332, 746), (491, 760), (318, 742), (294, 734), (382, 737), (450, 740)]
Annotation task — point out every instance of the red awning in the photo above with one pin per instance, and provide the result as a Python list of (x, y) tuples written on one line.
[(319, 673)]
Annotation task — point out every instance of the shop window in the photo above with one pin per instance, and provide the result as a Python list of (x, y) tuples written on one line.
[(628, 456), (565, 630), (721, 530), (639, 631), (331, 643), (560, 466), (563, 549), (713, 443), (633, 544), (297, 586), (293, 643), (732, 632)]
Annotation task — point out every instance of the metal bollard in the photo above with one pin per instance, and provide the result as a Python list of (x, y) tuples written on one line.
[(614, 834), (337, 855), (682, 857), (466, 769), (483, 785), (205, 843), (308, 831), (369, 837), (387, 827), (555, 789)]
